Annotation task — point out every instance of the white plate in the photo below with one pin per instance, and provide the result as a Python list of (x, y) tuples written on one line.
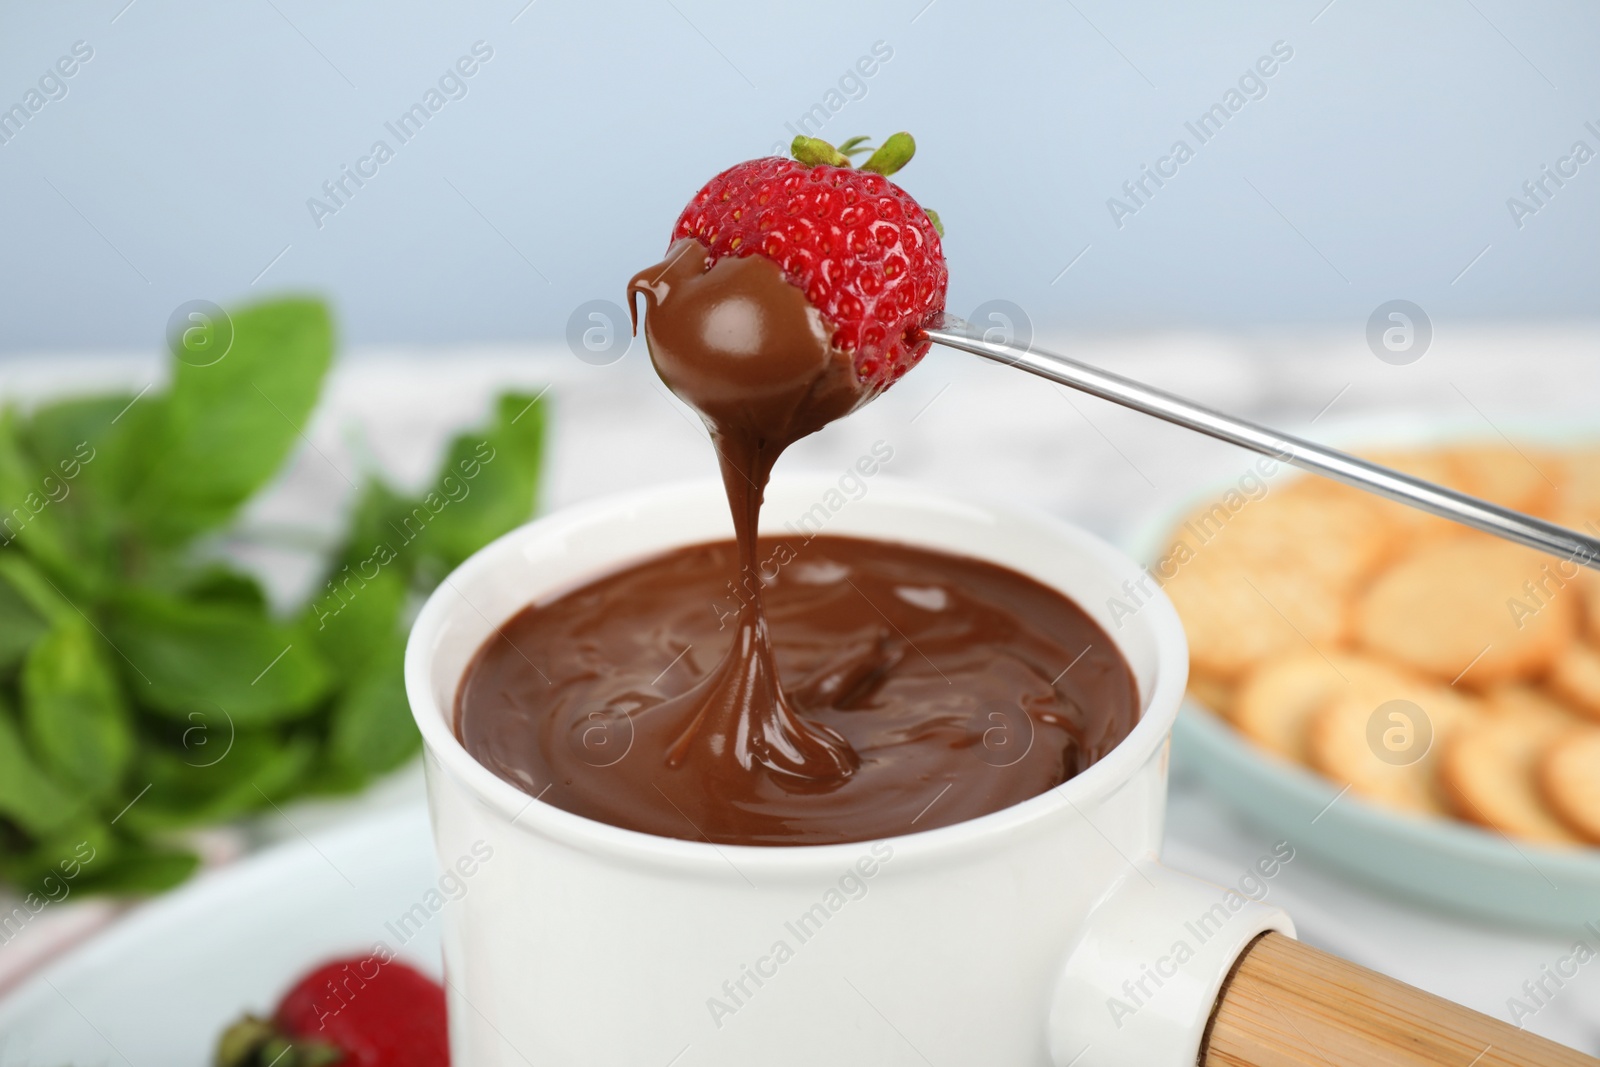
[(157, 988), (160, 986)]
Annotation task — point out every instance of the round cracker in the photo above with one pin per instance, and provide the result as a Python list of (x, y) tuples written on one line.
[(1575, 678), (1212, 693), (1448, 609), (1430, 466), (1518, 700), (1578, 494), (1587, 579), (1568, 776), (1589, 585), (1333, 538), (1339, 743), (1237, 615), (1375, 510), (1426, 463), (1277, 700), (1521, 478), (1487, 771)]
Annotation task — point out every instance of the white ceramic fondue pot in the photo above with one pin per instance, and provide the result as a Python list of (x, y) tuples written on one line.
[(1044, 934)]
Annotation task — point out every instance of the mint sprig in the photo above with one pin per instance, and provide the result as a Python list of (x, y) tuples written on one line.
[(145, 687)]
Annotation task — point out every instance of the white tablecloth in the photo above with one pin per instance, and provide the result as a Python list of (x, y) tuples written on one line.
[(969, 427)]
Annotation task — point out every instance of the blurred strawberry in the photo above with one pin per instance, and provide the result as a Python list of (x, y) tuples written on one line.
[(866, 255), (361, 1012)]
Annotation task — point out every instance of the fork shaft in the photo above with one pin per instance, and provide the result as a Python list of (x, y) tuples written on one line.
[(1308, 455)]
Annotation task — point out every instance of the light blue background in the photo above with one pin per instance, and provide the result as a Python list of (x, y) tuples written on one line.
[(1377, 167)]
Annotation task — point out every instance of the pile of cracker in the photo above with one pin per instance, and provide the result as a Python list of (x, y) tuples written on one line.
[(1427, 666)]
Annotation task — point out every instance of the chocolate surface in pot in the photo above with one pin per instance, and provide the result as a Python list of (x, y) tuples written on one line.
[(947, 678)]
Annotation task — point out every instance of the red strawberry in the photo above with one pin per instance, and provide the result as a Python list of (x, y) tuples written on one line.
[(363, 1012), (865, 254)]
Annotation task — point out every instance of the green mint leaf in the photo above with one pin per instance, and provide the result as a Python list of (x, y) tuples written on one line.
[(28, 796), (37, 590), (225, 428), (218, 583), (30, 512), (214, 772), (352, 617), (375, 526), (55, 867), (69, 442), (20, 625), (372, 731), (128, 453), (379, 543), (486, 484), (73, 711), (208, 658), (138, 868), (62, 431)]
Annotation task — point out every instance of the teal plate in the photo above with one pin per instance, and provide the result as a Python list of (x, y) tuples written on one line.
[(1436, 862), (1431, 861)]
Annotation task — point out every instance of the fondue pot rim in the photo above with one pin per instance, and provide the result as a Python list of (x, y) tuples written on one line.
[(1154, 614)]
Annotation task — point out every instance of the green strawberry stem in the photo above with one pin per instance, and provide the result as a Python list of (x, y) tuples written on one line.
[(256, 1042), (854, 146), (895, 152), (814, 151)]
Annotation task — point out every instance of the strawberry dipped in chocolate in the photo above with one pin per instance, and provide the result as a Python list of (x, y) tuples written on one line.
[(792, 293)]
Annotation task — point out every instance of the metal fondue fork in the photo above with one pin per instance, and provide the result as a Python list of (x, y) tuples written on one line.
[(952, 332)]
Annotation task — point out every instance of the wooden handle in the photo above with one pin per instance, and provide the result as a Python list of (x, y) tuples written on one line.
[(1288, 1004)]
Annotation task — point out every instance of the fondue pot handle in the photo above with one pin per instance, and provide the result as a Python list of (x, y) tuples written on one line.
[(1286, 1004), (1140, 980), (1168, 970)]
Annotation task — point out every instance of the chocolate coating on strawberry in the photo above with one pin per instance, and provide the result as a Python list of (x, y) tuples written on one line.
[(864, 253), (743, 347)]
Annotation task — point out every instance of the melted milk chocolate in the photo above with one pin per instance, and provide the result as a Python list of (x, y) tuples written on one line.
[(745, 349), (916, 680), (946, 677)]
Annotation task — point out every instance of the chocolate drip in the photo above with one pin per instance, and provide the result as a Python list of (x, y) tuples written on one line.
[(745, 349)]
